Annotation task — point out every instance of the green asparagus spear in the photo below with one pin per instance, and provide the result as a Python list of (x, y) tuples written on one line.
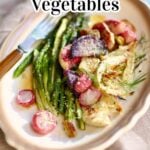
[(23, 65), (45, 72), (62, 96), (55, 51), (27, 61), (38, 77), (72, 30), (41, 70), (79, 113), (62, 101), (38, 101), (70, 106), (77, 25), (62, 28), (56, 94)]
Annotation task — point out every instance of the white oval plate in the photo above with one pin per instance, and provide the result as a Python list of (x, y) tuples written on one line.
[(14, 120)]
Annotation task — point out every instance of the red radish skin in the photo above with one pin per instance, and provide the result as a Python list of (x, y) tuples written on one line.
[(83, 83), (43, 122), (129, 36), (89, 97), (117, 27), (26, 98), (65, 59), (124, 29)]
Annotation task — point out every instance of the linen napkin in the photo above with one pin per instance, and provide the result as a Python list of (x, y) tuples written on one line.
[(11, 13)]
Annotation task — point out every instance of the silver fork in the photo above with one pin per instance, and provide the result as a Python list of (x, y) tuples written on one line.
[(40, 32)]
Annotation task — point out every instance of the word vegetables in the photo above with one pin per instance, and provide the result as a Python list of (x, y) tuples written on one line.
[(57, 7)]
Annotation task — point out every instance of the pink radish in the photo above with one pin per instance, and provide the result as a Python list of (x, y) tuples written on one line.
[(43, 122), (83, 83), (25, 98), (89, 97)]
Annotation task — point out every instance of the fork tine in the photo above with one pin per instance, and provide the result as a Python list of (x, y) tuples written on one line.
[(44, 26), (49, 22), (43, 21), (47, 28), (46, 20)]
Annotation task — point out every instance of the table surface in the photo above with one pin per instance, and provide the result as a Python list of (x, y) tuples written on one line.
[(3, 144)]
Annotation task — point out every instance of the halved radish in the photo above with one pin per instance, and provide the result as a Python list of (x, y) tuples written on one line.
[(65, 59), (82, 84), (123, 28), (116, 26), (129, 36), (43, 122), (25, 98), (89, 97)]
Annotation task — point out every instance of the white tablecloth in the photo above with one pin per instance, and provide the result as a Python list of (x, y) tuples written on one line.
[(11, 13)]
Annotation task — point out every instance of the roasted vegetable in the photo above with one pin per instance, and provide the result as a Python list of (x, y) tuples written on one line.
[(38, 74), (79, 116), (70, 105), (43, 122), (87, 46), (55, 51), (100, 114), (69, 128), (65, 59), (89, 65), (82, 84), (123, 28), (78, 73), (116, 69), (26, 98), (72, 78), (106, 35), (27, 61), (89, 97)]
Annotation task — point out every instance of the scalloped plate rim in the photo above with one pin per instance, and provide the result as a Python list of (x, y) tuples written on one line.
[(113, 138)]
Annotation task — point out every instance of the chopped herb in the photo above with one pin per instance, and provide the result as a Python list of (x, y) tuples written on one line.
[(134, 83)]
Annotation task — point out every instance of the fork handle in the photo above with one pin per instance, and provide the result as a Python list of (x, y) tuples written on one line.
[(10, 61)]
